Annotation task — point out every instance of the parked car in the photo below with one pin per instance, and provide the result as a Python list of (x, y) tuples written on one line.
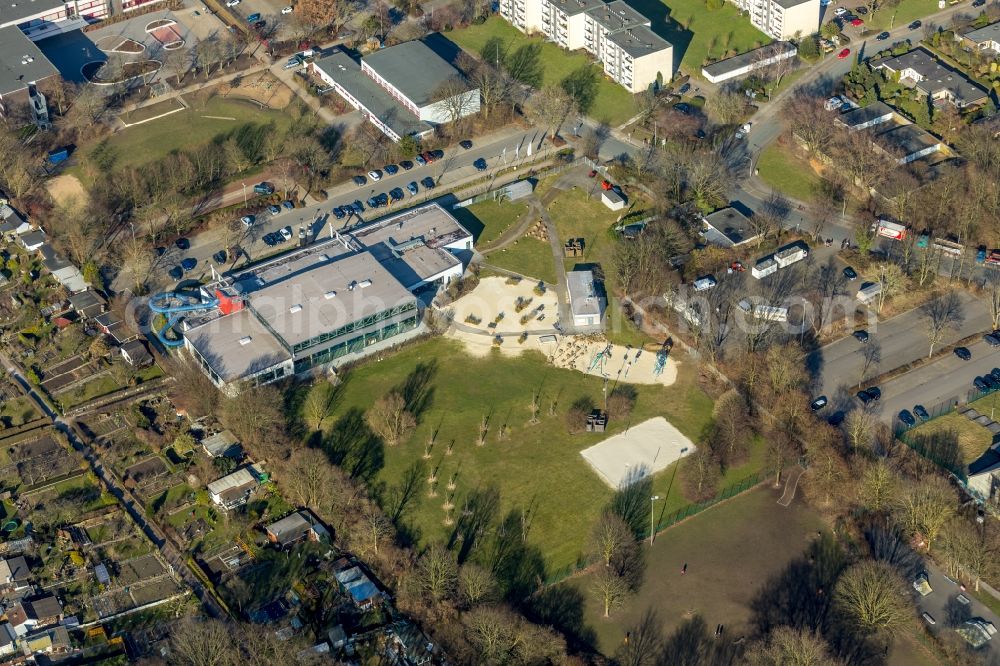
[(189, 263), (980, 384), (978, 3), (391, 169), (428, 183), (465, 144), (253, 17), (219, 257), (359, 180), (907, 418), (683, 89), (406, 164), (270, 239), (412, 187), (843, 54), (864, 397), (857, 23), (182, 243), (836, 418), (437, 154), (375, 175), (928, 618), (396, 194), (850, 273), (914, 25), (875, 392), (428, 157), (882, 36), (819, 403), (286, 233), (357, 207), (176, 273), (480, 164), (338, 213), (288, 204), (263, 188), (273, 210), (293, 62), (419, 159), (232, 3), (287, 10), (682, 107), (159, 250), (996, 373), (839, 11), (861, 336), (259, 25), (991, 383), (992, 339), (247, 220), (372, 202), (921, 412), (963, 353)]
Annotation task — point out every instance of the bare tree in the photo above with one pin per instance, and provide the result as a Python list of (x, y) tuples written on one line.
[(892, 280), (879, 486), (375, 527), (390, 419), (201, 642), (319, 405), (309, 480), (456, 100), (972, 550), (611, 590), (550, 107), (872, 597), (871, 357), (859, 425), (644, 646), (475, 584), (437, 574), (786, 645), (925, 507), (992, 287), (941, 313), (610, 536)]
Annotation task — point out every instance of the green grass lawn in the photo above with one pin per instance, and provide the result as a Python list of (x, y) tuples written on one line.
[(579, 214), (20, 410), (973, 439), (613, 104), (731, 550), (487, 220), (151, 141), (905, 12), (535, 466), (697, 33), (787, 172), (527, 256)]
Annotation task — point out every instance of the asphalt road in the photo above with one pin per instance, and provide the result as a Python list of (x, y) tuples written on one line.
[(454, 168), (941, 605), (903, 340)]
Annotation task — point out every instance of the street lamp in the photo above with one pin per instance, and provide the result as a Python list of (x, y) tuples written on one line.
[(652, 529), (244, 194)]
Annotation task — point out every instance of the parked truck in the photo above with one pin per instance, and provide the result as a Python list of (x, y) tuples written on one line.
[(790, 254), (891, 230)]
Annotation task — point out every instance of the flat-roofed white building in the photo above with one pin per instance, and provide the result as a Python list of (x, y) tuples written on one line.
[(783, 19), (586, 301)]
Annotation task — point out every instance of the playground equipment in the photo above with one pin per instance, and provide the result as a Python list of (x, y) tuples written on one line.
[(600, 357), (661, 362), (174, 305)]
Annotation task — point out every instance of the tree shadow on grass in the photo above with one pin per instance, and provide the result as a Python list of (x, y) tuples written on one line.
[(563, 606), (352, 445), (416, 389)]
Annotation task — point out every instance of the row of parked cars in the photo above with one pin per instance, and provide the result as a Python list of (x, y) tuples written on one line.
[(422, 159)]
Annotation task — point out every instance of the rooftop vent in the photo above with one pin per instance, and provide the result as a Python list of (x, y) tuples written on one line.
[(245, 340), (330, 294), (294, 309)]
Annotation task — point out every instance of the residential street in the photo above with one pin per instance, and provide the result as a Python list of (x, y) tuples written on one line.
[(943, 599)]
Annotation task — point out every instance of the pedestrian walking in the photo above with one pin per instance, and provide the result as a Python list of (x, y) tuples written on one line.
[(684, 569)]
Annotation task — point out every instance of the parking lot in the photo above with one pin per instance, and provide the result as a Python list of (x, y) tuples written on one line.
[(275, 23)]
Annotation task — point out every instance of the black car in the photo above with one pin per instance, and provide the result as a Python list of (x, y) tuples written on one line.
[(978, 3), (980, 384), (465, 144), (996, 373), (992, 339), (359, 180), (836, 418), (339, 213), (882, 36), (850, 273), (963, 353), (428, 183), (357, 207), (437, 154), (219, 257), (159, 251), (406, 164), (270, 239), (182, 243), (383, 199), (864, 397), (189, 263), (875, 393), (480, 164), (391, 169), (915, 25), (372, 202), (684, 88), (921, 413), (176, 272), (861, 336), (682, 107), (819, 403), (907, 418), (396, 194), (991, 383)]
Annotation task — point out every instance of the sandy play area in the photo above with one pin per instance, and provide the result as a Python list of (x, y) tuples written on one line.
[(66, 188), (591, 354), (641, 450)]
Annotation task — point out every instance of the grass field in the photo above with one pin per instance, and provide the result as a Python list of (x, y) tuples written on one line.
[(577, 214), (151, 141), (535, 466), (487, 220), (730, 549), (903, 13), (697, 33), (528, 256), (172, 105), (973, 439), (788, 173), (19, 410), (613, 104)]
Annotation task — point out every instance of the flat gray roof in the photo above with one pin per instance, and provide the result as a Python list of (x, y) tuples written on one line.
[(618, 15), (300, 299), (415, 70), (574, 7), (732, 224), (238, 479), (220, 342), (936, 76), (907, 138), (865, 114), (583, 296), (432, 223), (343, 69), (639, 41), (788, 4), (291, 525), (16, 12), (21, 61), (744, 59), (990, 32)]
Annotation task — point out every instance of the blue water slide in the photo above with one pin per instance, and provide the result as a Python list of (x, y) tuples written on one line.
[(174, 305)]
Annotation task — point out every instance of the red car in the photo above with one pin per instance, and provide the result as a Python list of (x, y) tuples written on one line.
[(843, 54), (857, 22)]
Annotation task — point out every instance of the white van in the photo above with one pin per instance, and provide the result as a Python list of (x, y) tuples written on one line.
[(704, 283)]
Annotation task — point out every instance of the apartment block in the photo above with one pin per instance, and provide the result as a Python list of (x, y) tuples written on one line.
[(782, 19), (618, 36)]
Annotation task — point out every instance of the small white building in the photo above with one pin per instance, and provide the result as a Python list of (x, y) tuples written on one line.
[(745, 63), (612, 199), (233, 490), (764, 267), (585, 299)]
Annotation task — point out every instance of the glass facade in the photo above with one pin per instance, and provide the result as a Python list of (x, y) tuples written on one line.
[(355, 344), (353, 326)]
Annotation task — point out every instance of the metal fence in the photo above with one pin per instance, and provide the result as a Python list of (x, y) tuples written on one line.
[(666, 522)]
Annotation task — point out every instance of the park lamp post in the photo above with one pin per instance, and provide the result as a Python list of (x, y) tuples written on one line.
[(652, 529), (244, 194)]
